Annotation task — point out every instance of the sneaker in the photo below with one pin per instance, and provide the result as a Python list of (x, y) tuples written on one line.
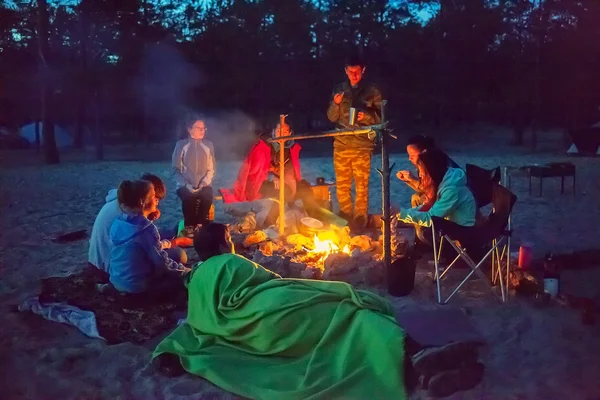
[(433, 360), (447, 383), (168, 364), (188, 231)]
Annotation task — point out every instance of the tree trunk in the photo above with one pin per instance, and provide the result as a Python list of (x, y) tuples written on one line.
[(518, 127), (519, 102), (538, 79), (439, 91), (51, 151), (145, 127), (519, 113), (98, 132), (38, 139), (83, 75)]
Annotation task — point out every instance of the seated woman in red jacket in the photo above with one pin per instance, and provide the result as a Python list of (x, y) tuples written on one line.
[(263, 160)]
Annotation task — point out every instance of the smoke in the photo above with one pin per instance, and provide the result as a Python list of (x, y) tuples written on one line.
[(231, 132), (164, 84)]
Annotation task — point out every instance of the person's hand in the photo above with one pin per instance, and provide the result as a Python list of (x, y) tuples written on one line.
[(361, 116), (153, 216), (276, 183), (337, 98), (403, 175), (193, 189)]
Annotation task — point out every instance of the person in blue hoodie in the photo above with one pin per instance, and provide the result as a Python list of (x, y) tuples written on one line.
[(138, 263), (453, 199), (193, 164), (100, 245)]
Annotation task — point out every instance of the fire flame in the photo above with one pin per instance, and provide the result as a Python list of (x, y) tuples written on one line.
[(327, 247), (318, 251)]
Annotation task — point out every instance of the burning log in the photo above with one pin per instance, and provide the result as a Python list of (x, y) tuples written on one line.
[(300, 241), (331, 254), (255, 238), (342, 234), (266, 248), (362, 242)]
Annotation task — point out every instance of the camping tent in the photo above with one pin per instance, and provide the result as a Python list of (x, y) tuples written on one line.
[(585, 141), (62, 137)]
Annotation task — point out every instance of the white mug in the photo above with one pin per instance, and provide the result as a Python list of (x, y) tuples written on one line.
[(551, 286)]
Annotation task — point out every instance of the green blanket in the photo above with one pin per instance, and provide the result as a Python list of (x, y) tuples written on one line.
[(260, 336)]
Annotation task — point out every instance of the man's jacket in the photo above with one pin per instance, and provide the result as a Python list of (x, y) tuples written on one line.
[(364, 97)]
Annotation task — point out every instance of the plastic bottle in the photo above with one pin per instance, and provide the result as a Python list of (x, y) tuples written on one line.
[(551, 277), (525, 252), (211, 213)]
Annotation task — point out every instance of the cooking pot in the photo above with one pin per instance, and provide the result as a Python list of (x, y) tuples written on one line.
[(310, 227)]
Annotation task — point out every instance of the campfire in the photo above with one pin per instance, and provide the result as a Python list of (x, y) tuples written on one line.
[(323, 248), (315, 251), (327, 247)]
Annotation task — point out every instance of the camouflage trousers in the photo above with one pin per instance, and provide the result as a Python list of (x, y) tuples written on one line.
[(352, 165)]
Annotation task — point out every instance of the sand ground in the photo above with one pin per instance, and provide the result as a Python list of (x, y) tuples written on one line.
[(531, 353)]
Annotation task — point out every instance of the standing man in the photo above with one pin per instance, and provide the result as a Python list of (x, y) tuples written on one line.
[(352, 154)]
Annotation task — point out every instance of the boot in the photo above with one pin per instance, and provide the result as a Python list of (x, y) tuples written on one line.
[(447, 383)]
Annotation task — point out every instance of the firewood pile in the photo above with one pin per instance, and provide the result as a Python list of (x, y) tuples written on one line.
[(329, 254)]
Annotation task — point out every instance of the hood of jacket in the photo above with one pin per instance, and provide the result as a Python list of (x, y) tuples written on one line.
[(111, 195), (126, 227), (453, 177)]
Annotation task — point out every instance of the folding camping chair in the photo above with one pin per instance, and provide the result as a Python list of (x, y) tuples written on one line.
[(495, 230)]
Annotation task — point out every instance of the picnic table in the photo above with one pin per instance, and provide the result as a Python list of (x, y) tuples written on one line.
[(560, 170)]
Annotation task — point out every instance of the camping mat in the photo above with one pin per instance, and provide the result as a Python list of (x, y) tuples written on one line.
[(119, 318), (433, 328)]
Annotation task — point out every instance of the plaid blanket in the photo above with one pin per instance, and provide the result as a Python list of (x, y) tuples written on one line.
[(120, 317)]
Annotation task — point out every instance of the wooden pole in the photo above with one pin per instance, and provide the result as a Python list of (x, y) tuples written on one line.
[(281, 140), (281, 176), (362, 131), (385, 198)]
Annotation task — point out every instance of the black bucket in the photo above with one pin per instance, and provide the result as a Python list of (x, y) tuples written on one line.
[(401, 276)]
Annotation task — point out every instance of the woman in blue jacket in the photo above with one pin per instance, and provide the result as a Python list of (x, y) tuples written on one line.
[(424, 195), (138, 262), (453, 199)]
